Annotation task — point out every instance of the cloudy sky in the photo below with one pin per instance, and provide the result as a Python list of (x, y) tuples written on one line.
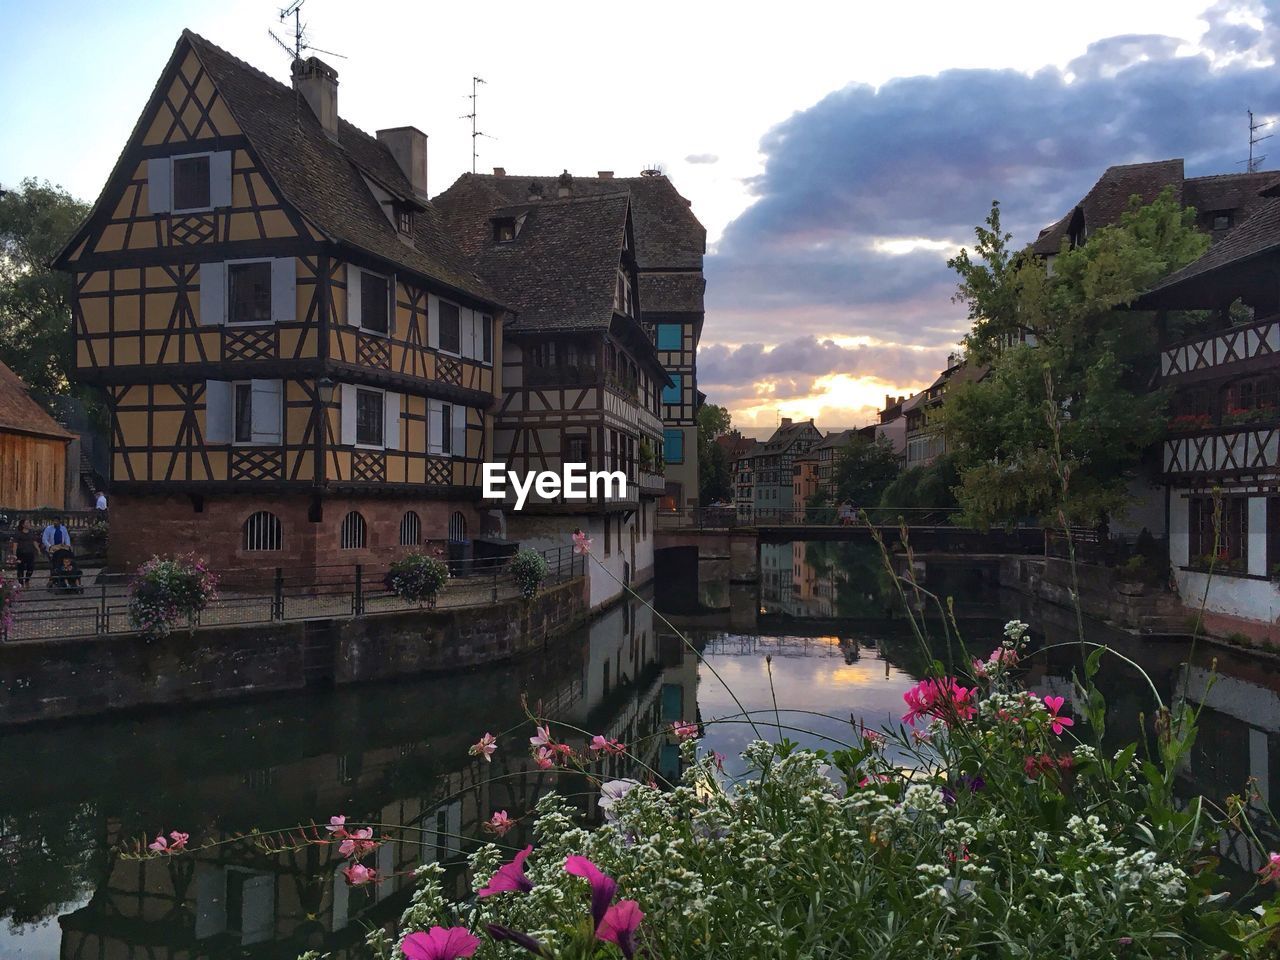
[(837, 154)]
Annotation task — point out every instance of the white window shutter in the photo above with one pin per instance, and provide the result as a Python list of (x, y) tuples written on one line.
[(433, 321), (353, 295), (266, 410), (213, 294), (160, 184), (391, 421), (284, 295), (459, 430), (470, 342), (217, 411), (435, 442), (220, 179), (348, 414)]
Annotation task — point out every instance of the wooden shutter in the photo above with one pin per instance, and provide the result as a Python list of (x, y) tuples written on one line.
[(433, 321), (353, 295), (160, 184), (284, 291), (435, 443), (348, 414), (391, 421), (217, 411), (266, 410), (213, 294), (220, 179), (459, 430)]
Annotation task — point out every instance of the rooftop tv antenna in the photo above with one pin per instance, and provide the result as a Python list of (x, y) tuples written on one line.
[(1255, 161), (300, 43), (475, 90)]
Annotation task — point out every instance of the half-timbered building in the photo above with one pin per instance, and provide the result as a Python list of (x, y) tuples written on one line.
[(1221, 453), (300, 364), (669, 247), (581, 378)]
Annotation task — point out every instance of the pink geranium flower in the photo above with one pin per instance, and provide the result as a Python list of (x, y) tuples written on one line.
[(358, 843), (545, 758), (581, 543), (177, 840), (358, 874), (337, 825), (440, 943), (159, 844), (684, 730), (601, 744), (1270, 872), (510, 876), (1057, 723), (484, 747), (942, 699), (500, 823)]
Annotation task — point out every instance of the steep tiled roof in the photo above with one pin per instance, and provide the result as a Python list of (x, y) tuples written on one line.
[(322, 179), (1109, 197), (1258, 235), (20, 414), (668, 235), (836, 438), (671, 292), (1240, 192), (561, 269)]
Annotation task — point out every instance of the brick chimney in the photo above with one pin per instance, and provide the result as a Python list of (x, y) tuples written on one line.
[(499, 171), (535, 190), (605, 174), (786, 422), (409, 147), (318, 84), (564, 184)]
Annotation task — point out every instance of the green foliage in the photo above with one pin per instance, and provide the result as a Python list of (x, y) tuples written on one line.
[(1086, 376), (417, 577), (920, 489), (863, 468), (819, 509), (715, 472), (36, 220), (529, 568)]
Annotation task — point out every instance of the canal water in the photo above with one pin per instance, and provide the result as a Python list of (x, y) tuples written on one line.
[(821, 632)]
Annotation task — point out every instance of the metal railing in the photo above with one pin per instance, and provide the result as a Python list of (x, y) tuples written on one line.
[(728, 517), (254, 596)]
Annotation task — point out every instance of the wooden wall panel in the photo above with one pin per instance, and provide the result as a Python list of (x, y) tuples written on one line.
[(32, 472)]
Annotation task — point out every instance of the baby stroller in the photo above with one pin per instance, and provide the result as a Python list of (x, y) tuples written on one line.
[(64, 572)]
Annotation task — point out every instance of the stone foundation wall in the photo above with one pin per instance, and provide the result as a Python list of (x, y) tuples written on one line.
[(213, 526), (50, 680)]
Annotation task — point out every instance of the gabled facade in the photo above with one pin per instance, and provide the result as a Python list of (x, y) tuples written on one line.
[(772, 467), (1220, 460), (669, 248), (582, 381), (300, 365)]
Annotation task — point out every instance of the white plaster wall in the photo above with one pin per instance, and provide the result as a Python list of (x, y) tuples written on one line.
[(1236, 596), (1258, 536), (1179, 537)]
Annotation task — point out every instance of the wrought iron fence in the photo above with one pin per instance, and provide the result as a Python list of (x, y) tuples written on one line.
[(247, 596)]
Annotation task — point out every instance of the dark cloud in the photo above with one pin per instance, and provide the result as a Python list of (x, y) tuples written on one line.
[(925, 156), (784, 364), (701, 158)]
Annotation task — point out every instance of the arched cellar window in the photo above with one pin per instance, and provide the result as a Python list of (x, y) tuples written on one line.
[(355, 535), (262, 532), (457, 526), (410, 530)]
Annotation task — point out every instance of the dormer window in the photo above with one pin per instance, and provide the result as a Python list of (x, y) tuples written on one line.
[(504, 229), (404, 220)]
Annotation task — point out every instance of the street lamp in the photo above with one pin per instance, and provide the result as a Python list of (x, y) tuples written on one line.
[(325, 389)]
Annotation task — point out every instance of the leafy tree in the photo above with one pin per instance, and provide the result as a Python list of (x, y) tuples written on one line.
[(863, 468), (818, 508), (1073, 403), (715, 472), (36, 220), (918, 489)]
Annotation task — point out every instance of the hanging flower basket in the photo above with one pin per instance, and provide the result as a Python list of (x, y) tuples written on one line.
[(417, 578), (166, 591)]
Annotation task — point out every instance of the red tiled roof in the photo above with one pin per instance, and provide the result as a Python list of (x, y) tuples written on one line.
[(20, 414)]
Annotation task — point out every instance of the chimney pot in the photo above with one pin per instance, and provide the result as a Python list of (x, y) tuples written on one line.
[(786, 421), (317, 82), (409, 147), (535, 190), (605, 174), (565, 184), (499, 171)]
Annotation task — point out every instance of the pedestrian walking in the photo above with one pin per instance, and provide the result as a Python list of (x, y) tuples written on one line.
[(24, 549)]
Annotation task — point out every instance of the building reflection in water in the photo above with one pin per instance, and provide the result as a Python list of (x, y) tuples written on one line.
[(394, 754)]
